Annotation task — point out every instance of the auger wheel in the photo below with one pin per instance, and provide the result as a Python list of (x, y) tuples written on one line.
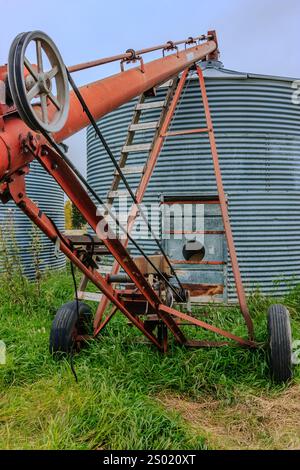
[(39, 87), (280, 343)]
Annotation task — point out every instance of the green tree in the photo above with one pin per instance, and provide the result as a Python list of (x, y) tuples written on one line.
[(78, 220), (68, 215)]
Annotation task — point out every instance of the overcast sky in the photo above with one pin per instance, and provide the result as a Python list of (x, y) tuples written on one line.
[(258, 36)]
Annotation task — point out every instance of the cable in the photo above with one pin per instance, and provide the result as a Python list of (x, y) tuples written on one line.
[(89, 254), (119, 170), (77, 310)]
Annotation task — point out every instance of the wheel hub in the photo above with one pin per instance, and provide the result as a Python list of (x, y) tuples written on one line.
[(44, 83)]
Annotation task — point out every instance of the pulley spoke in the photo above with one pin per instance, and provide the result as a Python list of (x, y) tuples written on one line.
[(44, 108), (51, 74), (30, 68), (39, 55), (54, 101), (33, 91)]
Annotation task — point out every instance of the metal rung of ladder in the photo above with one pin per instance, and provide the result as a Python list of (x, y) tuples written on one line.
[(129, 145), (131, 170), (82, 294), (137, 148), (104, 269), (186, 132), (143, 126), (151, 105), (114, 194), (93, 296), (167, 84)]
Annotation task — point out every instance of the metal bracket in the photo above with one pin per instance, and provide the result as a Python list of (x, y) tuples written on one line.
[(170, 47), (190, 41), (134, 58), (28, 143)]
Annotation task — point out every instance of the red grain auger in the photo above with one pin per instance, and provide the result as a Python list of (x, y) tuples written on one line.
[(40, 112)]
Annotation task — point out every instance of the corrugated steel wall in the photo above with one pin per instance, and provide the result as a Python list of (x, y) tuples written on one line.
[(258, 136), (44, 191)]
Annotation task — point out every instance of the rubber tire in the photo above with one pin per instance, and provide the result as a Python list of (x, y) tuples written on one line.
[(64, 323), (280, 343)]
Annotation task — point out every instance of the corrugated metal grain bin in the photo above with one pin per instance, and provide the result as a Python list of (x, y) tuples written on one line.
[(49, 197), (257, 129)]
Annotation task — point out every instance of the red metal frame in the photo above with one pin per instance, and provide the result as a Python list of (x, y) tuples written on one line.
[(19, 146)]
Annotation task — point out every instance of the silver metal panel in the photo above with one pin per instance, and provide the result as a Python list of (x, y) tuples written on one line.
[(49, 197), (258, 137), (199, 221)]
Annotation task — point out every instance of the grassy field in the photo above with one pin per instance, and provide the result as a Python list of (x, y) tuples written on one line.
[(128, 395)]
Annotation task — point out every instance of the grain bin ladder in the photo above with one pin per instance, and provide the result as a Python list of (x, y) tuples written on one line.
[(144, 104)]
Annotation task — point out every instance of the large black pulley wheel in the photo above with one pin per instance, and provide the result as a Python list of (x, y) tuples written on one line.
[(68, 325), (280, 343), (38, 81)]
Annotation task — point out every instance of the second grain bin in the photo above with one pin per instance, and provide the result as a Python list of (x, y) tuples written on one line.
[(257, 128), (20, 235)]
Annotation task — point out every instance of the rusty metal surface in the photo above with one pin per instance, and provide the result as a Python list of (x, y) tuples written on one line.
[(108, 94), (143, 183), (158, 261), (101, 97), (197, 290), (209, 270)]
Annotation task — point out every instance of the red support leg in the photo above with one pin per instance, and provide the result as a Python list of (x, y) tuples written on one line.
[(224, 209), (103, 324), (206, 326)]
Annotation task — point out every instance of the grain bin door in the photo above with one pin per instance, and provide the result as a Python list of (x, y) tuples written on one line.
[(194, 239)]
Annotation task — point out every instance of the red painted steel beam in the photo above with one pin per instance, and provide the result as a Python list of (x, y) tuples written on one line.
[(67, 180)]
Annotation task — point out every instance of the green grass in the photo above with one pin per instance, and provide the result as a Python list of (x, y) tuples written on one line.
[(115, 404)]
